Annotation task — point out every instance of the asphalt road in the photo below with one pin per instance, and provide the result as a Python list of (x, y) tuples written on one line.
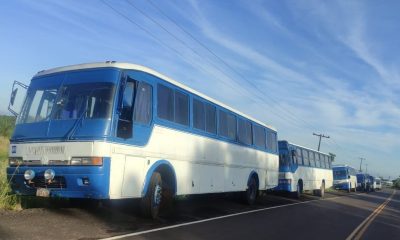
[(338, 216)]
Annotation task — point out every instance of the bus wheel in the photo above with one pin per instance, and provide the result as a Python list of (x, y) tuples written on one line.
[(151, 202), (321, 191), (251, 192)]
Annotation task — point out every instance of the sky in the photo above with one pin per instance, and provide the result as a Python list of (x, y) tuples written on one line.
[(304, 67)]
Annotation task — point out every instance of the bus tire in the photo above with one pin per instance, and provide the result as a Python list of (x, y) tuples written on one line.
[(250, 194), (151, 202), (321, 191)]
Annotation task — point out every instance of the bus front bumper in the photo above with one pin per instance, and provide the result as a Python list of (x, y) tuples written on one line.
[(69, 182)]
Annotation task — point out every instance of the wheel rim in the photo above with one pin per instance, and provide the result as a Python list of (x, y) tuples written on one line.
[(157, 195)]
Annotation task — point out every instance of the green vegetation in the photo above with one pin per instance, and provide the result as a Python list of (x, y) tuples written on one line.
[(6, 126), (7, 200)]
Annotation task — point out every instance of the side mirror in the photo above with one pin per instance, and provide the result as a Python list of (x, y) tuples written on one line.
[(348, 177), (13, 106)]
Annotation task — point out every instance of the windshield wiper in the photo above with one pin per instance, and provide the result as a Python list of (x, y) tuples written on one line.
[(73, 129)]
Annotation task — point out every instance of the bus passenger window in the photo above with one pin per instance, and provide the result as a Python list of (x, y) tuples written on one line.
[(305, 158), (143, 104), (227, 125), (244, 133), (198, 115), (271, 141), (299, 156), (211, 118), (259, 136), (181, 108), (312, 159), (165, 102)]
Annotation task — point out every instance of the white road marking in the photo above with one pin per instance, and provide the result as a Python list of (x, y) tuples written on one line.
[(220, 217)]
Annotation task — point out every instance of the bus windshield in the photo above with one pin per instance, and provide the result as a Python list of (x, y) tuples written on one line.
[(90, 100), (339, 174)]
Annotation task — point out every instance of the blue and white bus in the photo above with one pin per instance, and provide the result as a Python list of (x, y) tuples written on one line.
[(303, 169), (117, 130), (344, 178), (378, 183), (363, 182)]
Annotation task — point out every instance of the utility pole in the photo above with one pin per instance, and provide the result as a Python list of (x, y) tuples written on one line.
[(320, 136), (366, 168), (361, 163)]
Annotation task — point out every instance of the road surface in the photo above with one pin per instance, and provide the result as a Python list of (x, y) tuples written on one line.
[(338, 216)]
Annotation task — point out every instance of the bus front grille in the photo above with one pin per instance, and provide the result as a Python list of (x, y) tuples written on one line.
[(40, 182)]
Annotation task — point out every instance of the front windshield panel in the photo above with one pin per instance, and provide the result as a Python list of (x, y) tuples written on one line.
[(69, 102), (89, 100), (38, 105), (339, 174)]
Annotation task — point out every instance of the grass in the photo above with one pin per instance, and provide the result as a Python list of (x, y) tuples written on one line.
[(7, 200)]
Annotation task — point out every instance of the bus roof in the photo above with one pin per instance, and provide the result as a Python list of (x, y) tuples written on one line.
[(130, 66), (303, 147), (341, 166)]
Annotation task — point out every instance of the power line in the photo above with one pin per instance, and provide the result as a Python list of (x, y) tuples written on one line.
[(224, 62), (174, 50), (288, 114)]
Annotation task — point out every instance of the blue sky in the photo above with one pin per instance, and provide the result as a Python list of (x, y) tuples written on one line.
[(301, 66)]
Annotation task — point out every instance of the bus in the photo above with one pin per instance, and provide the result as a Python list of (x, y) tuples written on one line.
[(372, 181), (303, 169), (119, 131), (363, 182), (378, 183), (344, 178)]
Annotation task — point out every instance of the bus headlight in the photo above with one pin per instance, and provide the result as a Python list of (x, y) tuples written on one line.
[(94, 161), (29, 174), (49, 174)]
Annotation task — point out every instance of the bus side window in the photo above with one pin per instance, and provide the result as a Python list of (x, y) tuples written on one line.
[(181, 108), (299, 156), (211, 118), (165, 102), (124, 129), (306, 161), (199, 115), (319, 160), (143, 104), (259, 136)]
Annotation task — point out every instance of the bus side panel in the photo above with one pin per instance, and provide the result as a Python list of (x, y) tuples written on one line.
[(134, 175), (116, 175)]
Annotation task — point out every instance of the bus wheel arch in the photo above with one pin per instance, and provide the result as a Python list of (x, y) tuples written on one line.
[(251, 192), (162, 173)]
